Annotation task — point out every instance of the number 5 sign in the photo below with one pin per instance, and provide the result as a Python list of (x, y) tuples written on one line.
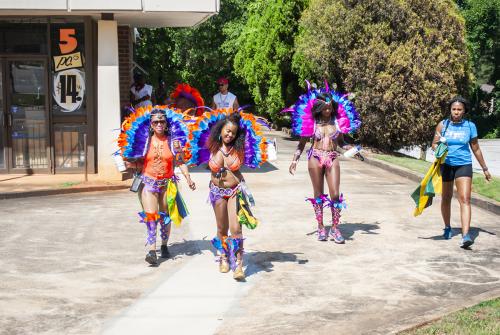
[(67, 40), (67, 45)]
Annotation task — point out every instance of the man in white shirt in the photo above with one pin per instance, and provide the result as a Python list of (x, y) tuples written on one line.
[(140, 92), (224, 99)]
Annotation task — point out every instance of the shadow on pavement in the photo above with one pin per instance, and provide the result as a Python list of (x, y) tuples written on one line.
[(266, 167), (473, 231), (259, 261), (290, 138), (348, 229), (186, 248), (18, 177)]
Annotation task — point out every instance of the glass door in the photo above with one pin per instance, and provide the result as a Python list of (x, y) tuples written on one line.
[(27, 124), (3, 125)]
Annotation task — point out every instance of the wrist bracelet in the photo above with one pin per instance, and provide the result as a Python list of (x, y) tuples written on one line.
[(485, 169)]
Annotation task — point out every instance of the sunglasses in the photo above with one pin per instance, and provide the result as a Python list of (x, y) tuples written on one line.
[(154, 123), (221, 84)]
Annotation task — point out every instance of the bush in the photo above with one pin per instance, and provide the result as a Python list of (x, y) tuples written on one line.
[(402, 59)]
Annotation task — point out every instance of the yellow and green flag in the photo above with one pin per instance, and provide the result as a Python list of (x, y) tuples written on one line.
[(431, 184), (245, 215)]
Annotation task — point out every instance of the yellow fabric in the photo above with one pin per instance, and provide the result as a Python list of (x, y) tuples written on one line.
[(173, 210), (433, 175), (244, 214)]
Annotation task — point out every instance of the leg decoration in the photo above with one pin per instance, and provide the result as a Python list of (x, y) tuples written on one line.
[(164, 221), (318, 204), (336, 207), (222, 253), (150, 220), (234, 245), (220, 245)]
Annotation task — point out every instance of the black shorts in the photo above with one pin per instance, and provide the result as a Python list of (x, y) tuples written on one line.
[(451, 173)]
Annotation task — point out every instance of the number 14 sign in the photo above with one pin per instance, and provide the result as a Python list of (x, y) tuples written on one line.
[(69, 89)]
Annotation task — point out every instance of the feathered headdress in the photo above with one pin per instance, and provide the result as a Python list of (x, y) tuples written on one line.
[(199, 133), (347, 118), (190, 93), (133, 140)]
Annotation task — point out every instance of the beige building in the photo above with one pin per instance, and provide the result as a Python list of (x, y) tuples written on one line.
[(65, 72)]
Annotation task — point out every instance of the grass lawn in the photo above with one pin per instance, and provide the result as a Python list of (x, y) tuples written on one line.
[(70, 183), (479, 184), (482, 319)]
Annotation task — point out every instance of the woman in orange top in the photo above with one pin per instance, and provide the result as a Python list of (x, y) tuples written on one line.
[(227, 147), (158, 181)]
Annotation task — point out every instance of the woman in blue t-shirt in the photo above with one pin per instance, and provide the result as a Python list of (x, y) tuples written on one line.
[(458, 134)]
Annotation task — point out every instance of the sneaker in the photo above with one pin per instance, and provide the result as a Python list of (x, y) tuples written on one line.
[(223, 265), (447, 232), (151, 257), (466, 241), (322, 236), (239, 274), (164, 252), (336, 235)]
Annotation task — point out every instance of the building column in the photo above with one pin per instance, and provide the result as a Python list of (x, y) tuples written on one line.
[(108, 99)]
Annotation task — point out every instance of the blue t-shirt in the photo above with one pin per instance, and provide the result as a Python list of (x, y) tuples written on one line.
[(458, 136)]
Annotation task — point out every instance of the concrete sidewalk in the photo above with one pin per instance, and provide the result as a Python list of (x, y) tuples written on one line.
[(74, 264), (24, 185)]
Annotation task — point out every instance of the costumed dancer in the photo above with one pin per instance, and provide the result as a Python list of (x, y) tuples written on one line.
[(188, 99), (226, 141), (323, 115), (151, 142)]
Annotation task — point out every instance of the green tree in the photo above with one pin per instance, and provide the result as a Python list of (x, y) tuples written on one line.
[(262, 45), (193, 55), (482, 21), (402, 59)]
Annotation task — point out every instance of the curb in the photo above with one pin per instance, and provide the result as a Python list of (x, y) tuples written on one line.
[(437, 315), (41, 193), (476, 199)]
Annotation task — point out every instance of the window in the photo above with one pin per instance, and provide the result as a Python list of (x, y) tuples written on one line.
[(23, 36)]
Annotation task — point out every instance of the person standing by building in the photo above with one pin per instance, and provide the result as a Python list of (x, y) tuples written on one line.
[(224, 99), (140, 92), (161, 94)]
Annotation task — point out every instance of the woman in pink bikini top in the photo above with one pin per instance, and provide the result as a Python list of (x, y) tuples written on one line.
[(323, 164), (227, 147)]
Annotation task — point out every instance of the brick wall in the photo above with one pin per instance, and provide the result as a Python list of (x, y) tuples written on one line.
[(125, 59)]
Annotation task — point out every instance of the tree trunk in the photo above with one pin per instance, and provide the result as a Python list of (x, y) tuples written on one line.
[(423, 152)]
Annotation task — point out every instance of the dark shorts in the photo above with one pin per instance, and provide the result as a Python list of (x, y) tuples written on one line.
[(451, 173)]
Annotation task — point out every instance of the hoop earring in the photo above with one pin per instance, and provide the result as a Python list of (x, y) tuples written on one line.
[(220, 138)]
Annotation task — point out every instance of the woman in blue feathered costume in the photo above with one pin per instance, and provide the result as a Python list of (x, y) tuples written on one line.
[(227, 141), (150, 143)]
